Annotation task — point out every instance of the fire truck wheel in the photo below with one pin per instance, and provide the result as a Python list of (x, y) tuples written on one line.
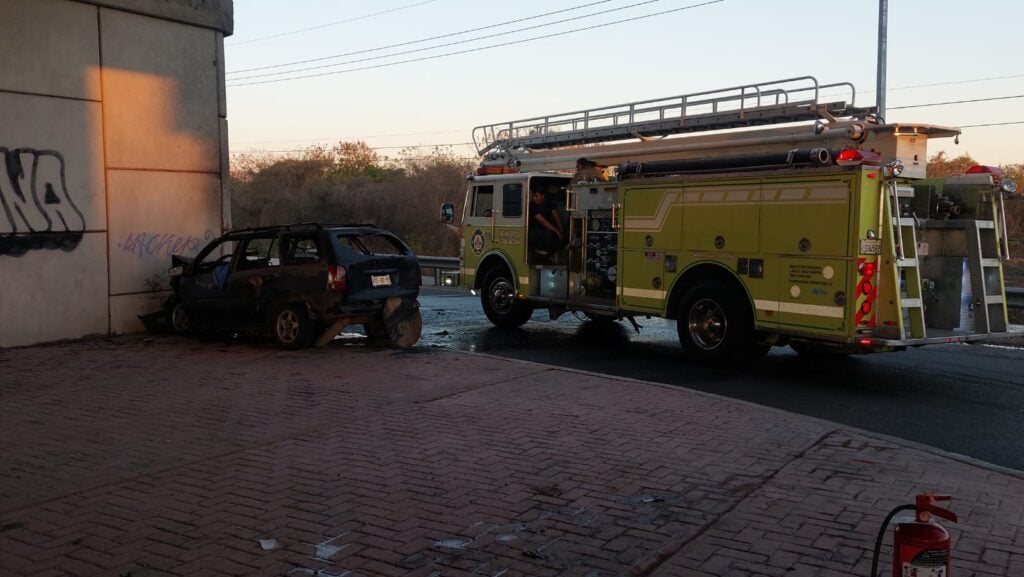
[(500, 303), (716, 326)]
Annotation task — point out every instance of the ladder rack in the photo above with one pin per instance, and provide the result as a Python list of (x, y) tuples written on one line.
[(788, 100)]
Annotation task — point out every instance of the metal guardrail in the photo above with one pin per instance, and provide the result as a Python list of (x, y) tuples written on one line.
[(1015, 297), (443, 268), (443, 264)]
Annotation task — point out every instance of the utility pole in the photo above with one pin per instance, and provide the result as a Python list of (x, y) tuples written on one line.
[(883, 24)]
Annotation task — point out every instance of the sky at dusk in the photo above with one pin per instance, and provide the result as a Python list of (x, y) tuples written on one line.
[(422, 73)]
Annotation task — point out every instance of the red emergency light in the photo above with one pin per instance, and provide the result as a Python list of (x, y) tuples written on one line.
[(979, 169), (853, 157)]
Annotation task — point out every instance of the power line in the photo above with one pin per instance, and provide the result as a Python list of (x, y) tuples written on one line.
[(481, 48), (507, 22), (371, 148), (956, 82), (992, 124), (948, 83), (445, 45), (330, 24), (353, 138), (350, 138), (956, 102)]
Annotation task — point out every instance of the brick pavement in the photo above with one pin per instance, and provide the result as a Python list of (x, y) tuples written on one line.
[(163, 456)]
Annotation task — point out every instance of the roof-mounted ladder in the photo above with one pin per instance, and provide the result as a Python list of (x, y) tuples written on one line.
[(789, 100)]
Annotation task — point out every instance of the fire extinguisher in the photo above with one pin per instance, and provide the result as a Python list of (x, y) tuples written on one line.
[(920, 548)]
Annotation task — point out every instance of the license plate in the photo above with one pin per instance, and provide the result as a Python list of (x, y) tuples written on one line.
[(870, 246), (380, 280)]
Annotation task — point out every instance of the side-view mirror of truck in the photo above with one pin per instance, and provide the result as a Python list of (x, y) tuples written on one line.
[(447, 213)]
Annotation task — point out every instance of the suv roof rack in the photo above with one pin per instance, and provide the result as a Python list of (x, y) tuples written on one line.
[(778, 101), (296, 227)]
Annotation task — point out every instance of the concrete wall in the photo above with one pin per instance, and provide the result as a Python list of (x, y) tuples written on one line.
[(113, 140)]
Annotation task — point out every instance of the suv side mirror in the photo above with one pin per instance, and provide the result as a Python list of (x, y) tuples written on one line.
[(447, 213)]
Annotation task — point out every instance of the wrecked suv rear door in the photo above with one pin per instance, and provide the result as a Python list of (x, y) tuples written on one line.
[(378, 265)]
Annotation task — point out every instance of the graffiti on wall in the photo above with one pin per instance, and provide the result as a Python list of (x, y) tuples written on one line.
[(158, 246), (38, 212), (143, 244)]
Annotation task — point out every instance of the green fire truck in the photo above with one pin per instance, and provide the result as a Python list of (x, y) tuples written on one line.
[(762, 215)]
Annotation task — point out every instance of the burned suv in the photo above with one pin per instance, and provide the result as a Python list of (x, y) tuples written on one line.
[(300, 283)]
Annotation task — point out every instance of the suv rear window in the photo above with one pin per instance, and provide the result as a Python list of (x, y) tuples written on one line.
[(372, 244)]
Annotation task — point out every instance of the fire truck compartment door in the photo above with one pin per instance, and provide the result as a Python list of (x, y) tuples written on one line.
[(650, 226), (812, 294), (806, 217)]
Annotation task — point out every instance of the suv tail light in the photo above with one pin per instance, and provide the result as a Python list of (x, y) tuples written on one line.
[(336, 279)]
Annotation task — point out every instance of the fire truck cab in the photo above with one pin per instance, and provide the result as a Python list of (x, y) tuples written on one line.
[(755, 216)]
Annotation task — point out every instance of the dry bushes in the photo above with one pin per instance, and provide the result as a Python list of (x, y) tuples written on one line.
[(349, 183)]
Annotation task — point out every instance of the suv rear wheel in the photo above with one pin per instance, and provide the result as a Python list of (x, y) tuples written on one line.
[(291, 326)]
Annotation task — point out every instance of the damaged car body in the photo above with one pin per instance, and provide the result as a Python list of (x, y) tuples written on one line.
[(300, 283)]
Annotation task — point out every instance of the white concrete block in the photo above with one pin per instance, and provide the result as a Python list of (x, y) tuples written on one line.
[(216, 14), (49, 47), (55, 144), (160, 96), (48, 295), (154, 215)]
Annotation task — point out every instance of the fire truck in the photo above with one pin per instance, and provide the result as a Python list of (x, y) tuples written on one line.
[(762, 215)]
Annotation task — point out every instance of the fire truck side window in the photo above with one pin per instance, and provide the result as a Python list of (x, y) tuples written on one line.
[(483, 200), (512, 200)]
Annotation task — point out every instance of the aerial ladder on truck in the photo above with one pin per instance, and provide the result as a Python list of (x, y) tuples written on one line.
[(816, 220)]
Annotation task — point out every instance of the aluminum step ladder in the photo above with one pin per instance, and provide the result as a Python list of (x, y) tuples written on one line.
[(907, 263), (986, 273), (779, 101)]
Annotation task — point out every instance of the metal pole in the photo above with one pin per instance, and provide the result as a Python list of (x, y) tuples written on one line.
[(883, 22)]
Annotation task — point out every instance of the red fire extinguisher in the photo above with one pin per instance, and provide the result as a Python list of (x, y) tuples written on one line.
[(920, 548)]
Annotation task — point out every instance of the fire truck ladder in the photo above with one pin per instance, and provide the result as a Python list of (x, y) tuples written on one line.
[(907, 263), (779, 101), (985, 270)]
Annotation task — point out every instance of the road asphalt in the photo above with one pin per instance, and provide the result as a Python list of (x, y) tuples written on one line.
[(157, 455)]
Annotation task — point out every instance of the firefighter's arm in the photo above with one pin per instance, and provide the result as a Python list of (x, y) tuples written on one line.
[(539, 217), (557, 219)]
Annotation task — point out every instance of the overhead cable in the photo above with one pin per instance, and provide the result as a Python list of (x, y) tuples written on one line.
[(364, 17), (956, 102), (445, 45), (400, 44), (481, 48)]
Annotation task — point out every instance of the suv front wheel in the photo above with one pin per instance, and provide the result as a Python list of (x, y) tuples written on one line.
[(180, 320), (291, 326)]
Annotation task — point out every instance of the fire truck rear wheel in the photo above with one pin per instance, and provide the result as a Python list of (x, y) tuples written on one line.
[(716, 325), (499, 300)]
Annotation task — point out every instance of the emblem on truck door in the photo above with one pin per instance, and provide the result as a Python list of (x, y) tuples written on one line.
[(477, 242)]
